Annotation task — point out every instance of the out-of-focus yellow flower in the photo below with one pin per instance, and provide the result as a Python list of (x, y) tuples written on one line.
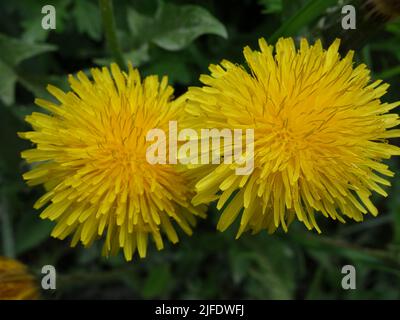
[(320, 133), (15, 281), (90, 154)]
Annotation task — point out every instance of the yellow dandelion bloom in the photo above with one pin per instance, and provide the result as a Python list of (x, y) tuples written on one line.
[(90, 155), (15, 281), (320, 135)]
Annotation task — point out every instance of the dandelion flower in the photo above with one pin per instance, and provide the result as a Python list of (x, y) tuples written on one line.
[(320, 135), (90, 154), (15, 281)]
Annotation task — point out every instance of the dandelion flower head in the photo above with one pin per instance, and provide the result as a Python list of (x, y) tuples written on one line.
[(16, 283), (320, 136), (90, 154)]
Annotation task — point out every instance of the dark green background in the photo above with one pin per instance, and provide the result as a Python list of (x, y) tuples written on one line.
[(299, 264)]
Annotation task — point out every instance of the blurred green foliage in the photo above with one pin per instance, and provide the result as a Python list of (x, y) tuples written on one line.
[(181, 38)]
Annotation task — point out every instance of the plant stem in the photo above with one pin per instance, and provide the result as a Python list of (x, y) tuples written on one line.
[(107, 17)]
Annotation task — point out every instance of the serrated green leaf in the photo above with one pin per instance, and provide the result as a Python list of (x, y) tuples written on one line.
[(87, 16), (139, 24), (13, 51), (174, 27), (180, 25), (137, 57)]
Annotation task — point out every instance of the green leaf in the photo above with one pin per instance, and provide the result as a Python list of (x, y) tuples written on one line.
[(7, 83), (31, 16), (140, 25), (87, 16), (13, 51), (21, 111), (136, 56), (308, 13), (175, 67), (37, 83), (33, 29), (180, 25), (174, 27), (271, 6)]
